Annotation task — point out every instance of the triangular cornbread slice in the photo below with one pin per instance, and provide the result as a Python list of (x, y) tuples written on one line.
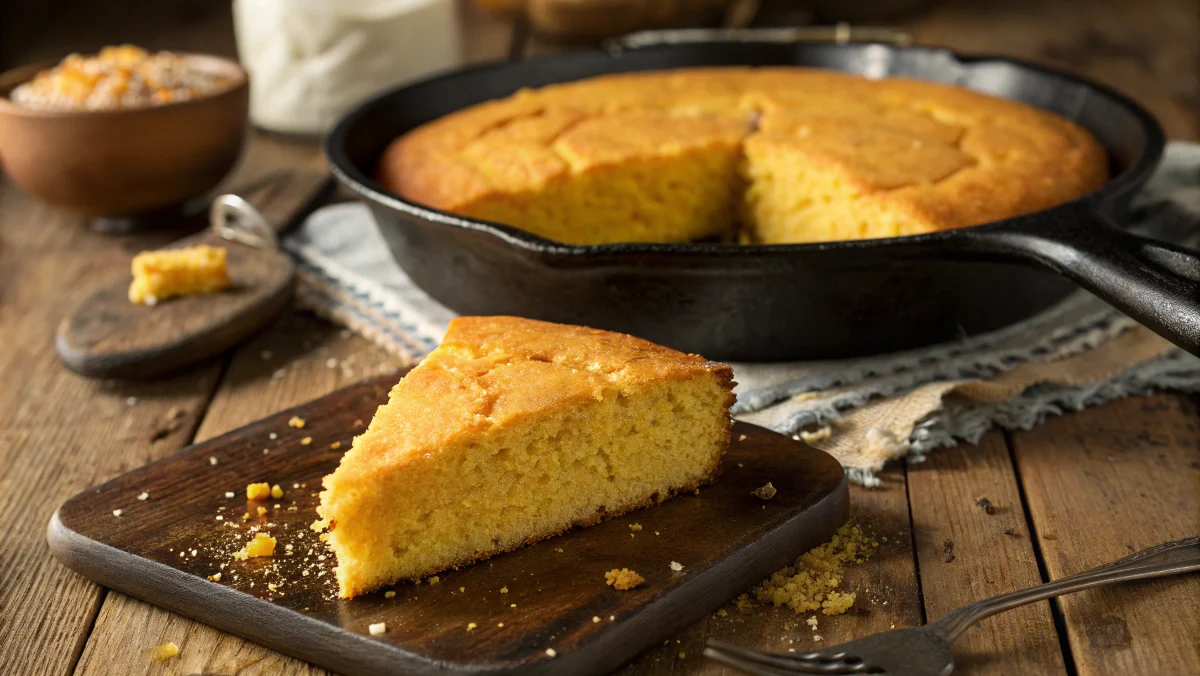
[(515, 430)]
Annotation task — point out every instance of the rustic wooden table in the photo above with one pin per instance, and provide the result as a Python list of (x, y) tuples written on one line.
[(1078, 491)]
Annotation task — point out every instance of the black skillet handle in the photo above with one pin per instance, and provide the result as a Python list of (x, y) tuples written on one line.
[(1156, 283)]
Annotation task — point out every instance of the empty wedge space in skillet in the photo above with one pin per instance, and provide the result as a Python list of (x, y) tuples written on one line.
[(795, 155)]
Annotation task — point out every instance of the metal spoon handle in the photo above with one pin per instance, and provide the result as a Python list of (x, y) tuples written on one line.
[(1170, 558)]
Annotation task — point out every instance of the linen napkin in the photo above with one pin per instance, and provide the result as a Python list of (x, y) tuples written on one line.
[(865, 411)]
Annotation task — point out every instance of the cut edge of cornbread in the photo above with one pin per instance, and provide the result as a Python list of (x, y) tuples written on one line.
[(166, 273), (520, 442)]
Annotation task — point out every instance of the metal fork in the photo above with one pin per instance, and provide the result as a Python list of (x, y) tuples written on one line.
[(925, 651)]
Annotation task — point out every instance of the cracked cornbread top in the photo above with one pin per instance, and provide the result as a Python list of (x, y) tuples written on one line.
[(767, 155)]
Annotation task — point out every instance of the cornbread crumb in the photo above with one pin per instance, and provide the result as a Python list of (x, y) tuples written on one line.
[(434, 580), (319, 525), (230, 494), (462, 589), (623, 579), (261, 545), (215, 577), (742, 602), (595, 619), (471, 626), (504, 590), (335, 445), (143, 496), (158, 275), (811, 584), (116, 512), (676, 566), (276, 492), (258, 491), (306, 441), (635, 527), (816, 435), (551, 652), (262, 511), (212, 460), (296, 422), (389, 594), (682, 655), (766, 491), (164, 652), (499, 624), (377, 628), (812, 622), (818, 638)]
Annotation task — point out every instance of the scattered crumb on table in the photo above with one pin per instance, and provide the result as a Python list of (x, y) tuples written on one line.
[(164, 652), (623, 578)]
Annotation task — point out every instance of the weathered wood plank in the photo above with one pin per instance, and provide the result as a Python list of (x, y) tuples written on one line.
[(296, 360), (1101, 485), (60, 433), (968, 550), (1148, 50)]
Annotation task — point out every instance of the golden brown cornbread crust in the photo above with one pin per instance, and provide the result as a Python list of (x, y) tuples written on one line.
[(941, 156), (491, 374)]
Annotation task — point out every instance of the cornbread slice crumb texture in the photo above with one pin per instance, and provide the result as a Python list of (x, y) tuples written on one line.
[(515, 430), (790, 154), (158, 275)]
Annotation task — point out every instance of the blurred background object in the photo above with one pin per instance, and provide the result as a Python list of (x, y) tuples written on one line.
[(583, 20), (312, 60)]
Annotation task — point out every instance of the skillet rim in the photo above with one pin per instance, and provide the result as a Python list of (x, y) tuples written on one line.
[(1128, 180)]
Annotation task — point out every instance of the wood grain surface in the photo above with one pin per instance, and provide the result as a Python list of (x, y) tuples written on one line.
[(160, 531)]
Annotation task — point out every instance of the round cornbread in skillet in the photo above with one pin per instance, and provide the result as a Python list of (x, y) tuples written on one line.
[(515, 430), (789, 154)]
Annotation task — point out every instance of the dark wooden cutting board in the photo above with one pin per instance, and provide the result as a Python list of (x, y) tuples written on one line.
[(163, 548)]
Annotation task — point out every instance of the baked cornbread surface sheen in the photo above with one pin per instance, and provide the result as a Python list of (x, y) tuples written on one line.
[(515, 430), (790, 154)]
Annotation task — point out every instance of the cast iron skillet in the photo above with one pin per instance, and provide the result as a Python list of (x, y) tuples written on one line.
[(801, 301)]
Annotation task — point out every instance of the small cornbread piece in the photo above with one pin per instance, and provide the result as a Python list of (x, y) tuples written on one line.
[(158, 275), (261, 545), (258, 491), (622, 578), (164, 652), (515, 430)]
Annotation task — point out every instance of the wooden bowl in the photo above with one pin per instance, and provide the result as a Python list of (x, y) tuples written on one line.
[(127, 162)]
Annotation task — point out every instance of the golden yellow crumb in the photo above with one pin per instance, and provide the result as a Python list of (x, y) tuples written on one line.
[(335, 445), (377, 628), (261, 545), (296, 422), (319, 525), (246, 516), (158, 275), (164, 652), (550, 652), (215, 577), (623, 579), (471, 626), (262, 511), (434, 579), (306, 441), (258, 491), (389, 594), (811, 584), (504, 590), (276, 492), (635, 527), (595, 619)]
